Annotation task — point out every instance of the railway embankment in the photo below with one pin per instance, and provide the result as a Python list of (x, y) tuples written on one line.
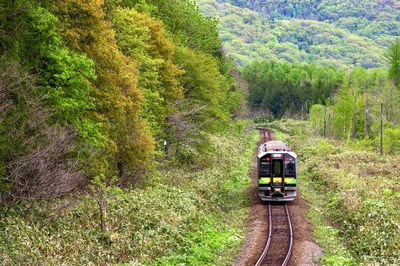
[(352, 195)]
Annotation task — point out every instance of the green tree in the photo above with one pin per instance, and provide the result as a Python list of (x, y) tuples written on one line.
[(392, 56), (143, 39)]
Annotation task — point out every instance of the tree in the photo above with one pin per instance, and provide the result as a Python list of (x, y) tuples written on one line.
[(143, 39), (392, 56)]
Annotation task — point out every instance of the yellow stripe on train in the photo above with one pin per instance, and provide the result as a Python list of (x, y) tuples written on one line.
[(267, 180)]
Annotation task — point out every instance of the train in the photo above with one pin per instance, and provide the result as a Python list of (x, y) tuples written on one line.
[(277, 172)]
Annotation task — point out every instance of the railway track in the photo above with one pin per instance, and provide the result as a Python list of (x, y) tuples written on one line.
[(265, 134), (279, 244), (278, 248)]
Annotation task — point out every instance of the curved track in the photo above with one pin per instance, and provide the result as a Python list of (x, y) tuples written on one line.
[(278, 248), (279, 245)]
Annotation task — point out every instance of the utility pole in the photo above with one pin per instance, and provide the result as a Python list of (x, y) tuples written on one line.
[(366, 125), (306, 108), (381, 130), (324, 121), (344, 126), (330, 125), (354, 131), (165, 149)]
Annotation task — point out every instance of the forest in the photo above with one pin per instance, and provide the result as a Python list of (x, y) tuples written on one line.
[(285, 89), (341, 34), (92, 89)]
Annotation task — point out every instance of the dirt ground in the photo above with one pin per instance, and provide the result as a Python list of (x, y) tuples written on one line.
[(305, 251)]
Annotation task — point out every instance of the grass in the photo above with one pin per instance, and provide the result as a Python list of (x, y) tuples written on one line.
[(353, 196), (184, 218)]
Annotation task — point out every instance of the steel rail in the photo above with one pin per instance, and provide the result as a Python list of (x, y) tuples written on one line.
[(267, 246), (264, 254), (289, 253)]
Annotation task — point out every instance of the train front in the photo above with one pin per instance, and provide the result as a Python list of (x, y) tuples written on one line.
[(277, 172)]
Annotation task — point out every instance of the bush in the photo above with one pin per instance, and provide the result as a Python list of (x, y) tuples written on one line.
[(392, 140)]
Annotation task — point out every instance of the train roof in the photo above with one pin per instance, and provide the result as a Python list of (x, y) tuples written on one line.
[(275, 146)]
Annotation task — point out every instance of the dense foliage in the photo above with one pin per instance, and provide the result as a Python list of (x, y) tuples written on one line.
[(282, 88), (118, 77), (339, 34)]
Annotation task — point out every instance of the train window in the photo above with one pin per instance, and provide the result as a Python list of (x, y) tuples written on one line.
[(265, 167), (290, 169), (290, 166)]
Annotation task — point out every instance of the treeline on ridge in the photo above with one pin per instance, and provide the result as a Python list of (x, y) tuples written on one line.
[(90, 88)]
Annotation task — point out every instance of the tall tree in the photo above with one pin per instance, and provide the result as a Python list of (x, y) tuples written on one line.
[(392, 56), (143, 38)]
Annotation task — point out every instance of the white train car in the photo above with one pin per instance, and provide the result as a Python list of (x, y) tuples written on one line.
[(277, 172)]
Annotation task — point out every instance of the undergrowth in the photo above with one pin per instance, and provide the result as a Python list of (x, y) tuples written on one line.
[(185, 217)]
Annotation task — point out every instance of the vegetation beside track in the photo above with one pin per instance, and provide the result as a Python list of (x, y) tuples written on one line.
[(188, 216), (353, 196)]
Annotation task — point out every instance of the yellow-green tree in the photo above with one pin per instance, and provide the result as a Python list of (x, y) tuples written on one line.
[(144, 40), (204, 84), (118, 99)]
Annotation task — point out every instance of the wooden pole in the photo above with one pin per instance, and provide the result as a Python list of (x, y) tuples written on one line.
[(103, 213), (330, 124), (381, 130), (344, 126), (354, 131), (324, 121), (366, 125), (306, 108)]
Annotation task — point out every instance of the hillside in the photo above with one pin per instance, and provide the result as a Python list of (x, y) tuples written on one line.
[(375, 19), (318, 34)]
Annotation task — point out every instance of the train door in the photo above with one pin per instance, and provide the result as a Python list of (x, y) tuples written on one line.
[(277, 173)]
